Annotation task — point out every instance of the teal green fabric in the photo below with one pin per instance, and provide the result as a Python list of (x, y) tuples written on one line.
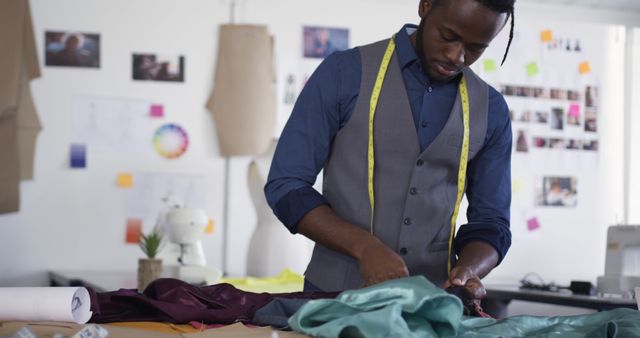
[(414, 307)]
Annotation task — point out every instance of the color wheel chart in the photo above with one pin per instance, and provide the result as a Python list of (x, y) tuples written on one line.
[(171, 141)]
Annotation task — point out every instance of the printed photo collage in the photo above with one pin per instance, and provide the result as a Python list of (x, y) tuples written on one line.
[(82, 50), (563, 118)]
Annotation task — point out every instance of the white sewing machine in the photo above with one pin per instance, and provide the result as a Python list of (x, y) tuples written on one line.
[(184, 227), (622, 265)]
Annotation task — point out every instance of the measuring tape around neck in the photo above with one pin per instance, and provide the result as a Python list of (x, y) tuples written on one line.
[(464, 153)]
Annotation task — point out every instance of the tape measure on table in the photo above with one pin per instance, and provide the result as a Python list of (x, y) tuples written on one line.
[(464, 153)]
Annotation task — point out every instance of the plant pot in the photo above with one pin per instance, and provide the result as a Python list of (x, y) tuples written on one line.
[(149, 269)]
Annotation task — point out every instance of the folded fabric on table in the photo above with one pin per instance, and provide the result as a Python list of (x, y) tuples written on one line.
[(414, 307), (174, 301)]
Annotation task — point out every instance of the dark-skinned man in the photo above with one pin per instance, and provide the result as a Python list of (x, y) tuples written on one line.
[(402, 128)]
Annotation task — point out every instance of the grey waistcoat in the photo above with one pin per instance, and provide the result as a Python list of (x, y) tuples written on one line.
[(415, 193)]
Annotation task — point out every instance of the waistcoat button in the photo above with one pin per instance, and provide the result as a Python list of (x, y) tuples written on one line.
[(413, 191), (420, 163), (407, 221), (403, 251)]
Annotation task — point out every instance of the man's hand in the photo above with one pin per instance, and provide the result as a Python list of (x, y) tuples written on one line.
[(378, 263), (475, 261), (464, 276)]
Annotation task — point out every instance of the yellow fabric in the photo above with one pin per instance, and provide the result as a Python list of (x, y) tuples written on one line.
[(286, 281), (158, 327)]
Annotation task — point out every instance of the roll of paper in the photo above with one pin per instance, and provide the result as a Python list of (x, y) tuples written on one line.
[(60, 304)]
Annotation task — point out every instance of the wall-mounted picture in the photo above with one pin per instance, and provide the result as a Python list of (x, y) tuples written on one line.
[(556, 143), (574, 144), (542, 116), (557, 191), (591, 96), (558, 94), (540, 142), (320, 42), (591, 145), (591, 120), (157, 67), (523, 115), (557, 118), (72, 49), (522, 141), (573, 95), (541, 93), (573, 115)]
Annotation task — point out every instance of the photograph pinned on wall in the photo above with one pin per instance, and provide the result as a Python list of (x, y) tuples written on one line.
[(591, 96), (590, 145), (540, 142), (573, 115), (541, 116), (320, 42), (573, 95), (557, 118), (540, 93), (591, 120), (522, 141), (290, 90), (565, 45), (556, 143), (72, 49), (523, 115), (574, 144), (558, 94), (156, 67), (557, 191)]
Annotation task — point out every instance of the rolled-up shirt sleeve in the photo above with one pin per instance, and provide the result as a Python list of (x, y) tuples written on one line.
[(304, 144), (489, 184)]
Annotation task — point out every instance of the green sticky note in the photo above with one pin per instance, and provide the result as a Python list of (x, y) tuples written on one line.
[(532, 69), (490, 65)]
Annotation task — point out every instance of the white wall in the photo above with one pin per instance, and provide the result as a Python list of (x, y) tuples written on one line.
[(634, 169), (74, 219)]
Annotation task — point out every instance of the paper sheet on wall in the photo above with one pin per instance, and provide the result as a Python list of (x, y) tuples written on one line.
[(60, 304), (119, 125), (153, 192)]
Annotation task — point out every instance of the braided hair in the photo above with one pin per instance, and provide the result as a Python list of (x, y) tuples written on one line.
[(499, 6), (502, 6)]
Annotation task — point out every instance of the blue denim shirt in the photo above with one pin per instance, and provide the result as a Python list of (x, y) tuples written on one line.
[(326, 104)]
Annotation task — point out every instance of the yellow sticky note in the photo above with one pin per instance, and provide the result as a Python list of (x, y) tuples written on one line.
[(124, 180), (584, 67), (532, 69), (516, 186), (546, 35), (210, 227), (490, 65)]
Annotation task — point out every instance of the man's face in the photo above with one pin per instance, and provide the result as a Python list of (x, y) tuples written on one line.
[(454, 35)]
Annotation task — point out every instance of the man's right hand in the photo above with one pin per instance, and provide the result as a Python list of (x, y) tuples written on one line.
[(378, 263)]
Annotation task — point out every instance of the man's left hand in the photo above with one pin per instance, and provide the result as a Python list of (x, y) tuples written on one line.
[(464, 276)]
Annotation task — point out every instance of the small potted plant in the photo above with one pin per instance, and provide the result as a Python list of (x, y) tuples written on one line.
[(149, 268)]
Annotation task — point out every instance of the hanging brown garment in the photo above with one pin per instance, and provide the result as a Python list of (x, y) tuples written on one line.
[(243, 102), (19, 122)]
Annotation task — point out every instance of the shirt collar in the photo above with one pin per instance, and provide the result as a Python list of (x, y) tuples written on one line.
[(406, 53)]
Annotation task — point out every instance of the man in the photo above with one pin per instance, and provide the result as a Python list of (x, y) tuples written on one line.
[(419, 143)]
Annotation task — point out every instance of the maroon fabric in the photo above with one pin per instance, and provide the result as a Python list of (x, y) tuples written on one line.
[(174, 301)]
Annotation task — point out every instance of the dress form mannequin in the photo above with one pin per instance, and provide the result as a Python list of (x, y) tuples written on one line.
[(272, 248)]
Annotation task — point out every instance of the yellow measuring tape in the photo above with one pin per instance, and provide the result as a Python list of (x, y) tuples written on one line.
[(464, 153)]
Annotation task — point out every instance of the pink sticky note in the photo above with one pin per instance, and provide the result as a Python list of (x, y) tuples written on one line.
[(533, 224), (157, 110), (574, 110)]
